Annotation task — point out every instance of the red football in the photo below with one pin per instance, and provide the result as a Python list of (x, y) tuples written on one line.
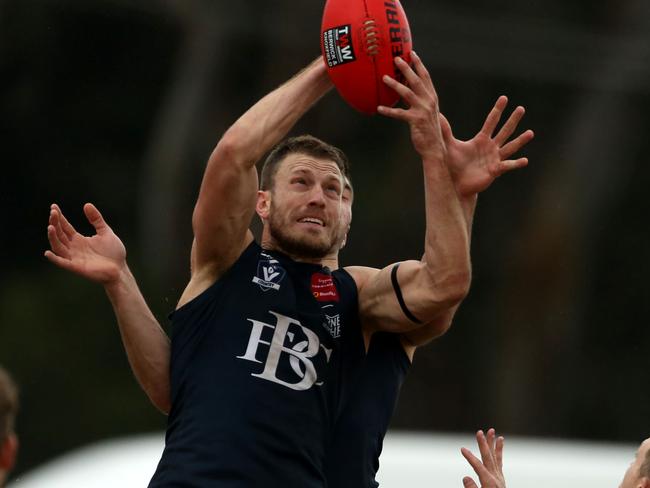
[(359, 40)]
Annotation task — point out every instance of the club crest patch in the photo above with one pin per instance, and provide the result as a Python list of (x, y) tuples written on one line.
[(269, 273), (323, 288)]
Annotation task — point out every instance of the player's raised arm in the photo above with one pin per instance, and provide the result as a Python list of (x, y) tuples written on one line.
[(474, 165), (405, 296), (227, 196)]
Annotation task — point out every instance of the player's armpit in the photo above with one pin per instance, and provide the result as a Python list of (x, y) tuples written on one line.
[(406, 298)]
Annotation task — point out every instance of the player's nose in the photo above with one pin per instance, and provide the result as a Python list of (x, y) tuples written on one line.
[(317, 196)]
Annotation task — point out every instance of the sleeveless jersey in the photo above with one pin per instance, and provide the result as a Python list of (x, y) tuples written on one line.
[(256, 364), (366, 410)]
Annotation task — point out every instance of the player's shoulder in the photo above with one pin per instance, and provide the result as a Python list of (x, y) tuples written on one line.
[(205, 275), (361, 274)]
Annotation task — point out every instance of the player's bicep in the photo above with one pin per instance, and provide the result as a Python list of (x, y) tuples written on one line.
[(400, 297), (224, 210), (377, 301)]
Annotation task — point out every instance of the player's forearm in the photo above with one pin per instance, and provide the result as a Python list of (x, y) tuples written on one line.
[(435, 285), (268, 121), (446, 259), (441, 324), (146, 344), (469, 208)]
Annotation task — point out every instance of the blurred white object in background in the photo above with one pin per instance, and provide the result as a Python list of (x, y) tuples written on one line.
[(127, 462), (419, 460), (409, 460)]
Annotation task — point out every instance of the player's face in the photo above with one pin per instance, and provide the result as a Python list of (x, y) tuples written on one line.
[(632, 479), (305, 210)]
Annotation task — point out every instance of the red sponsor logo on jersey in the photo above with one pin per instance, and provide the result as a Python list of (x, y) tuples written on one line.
[(323, 288)]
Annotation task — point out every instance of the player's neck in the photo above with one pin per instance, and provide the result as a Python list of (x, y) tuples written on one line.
[(331, 261), (270, 244)]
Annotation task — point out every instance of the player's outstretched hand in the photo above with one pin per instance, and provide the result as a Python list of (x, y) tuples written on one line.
[(476, 163), (99, 258), (489, 468), (422, 114)]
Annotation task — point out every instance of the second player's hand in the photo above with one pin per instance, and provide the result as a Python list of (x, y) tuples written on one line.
[(476, 163), (99, 258), (490, 467)]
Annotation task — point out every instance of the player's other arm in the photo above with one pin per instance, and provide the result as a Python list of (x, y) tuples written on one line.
[(400, 298), (474, 165), (227, 196), (416, 337), (102, 258)]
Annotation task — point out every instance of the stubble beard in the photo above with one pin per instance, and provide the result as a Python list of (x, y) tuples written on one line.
[(299, 245)]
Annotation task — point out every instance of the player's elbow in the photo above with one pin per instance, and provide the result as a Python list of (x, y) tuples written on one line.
[(441, 327), (229, 159), (448, 279), (229, 144), (233, 147), (451, 285), (440, 293), (458, 285), (157, 390)]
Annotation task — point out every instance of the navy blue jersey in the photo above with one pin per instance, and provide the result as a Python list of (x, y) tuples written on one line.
[(366, 410), (256, 364)]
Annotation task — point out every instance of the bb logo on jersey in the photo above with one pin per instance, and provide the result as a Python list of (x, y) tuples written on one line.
[(292, 351)]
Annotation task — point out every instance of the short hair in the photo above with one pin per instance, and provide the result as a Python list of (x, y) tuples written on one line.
[(8, 404), (644, 471), (305, 144)]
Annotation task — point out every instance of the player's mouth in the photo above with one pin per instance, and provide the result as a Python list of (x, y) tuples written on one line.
[(312, 221)]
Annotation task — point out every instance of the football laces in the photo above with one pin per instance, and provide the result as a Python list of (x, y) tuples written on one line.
[(371, 37)]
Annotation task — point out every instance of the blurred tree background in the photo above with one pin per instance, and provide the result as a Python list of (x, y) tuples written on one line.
[(120, 103)]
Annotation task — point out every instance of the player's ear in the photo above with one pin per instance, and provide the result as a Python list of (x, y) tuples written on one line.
[(8, 452), (263, 205), (644, 482)]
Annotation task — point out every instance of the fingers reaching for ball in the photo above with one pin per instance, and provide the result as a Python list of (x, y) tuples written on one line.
[(416, 85), (418, 93)]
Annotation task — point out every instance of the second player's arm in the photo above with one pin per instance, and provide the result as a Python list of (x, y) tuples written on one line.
[(102, 258), (145, 342)]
